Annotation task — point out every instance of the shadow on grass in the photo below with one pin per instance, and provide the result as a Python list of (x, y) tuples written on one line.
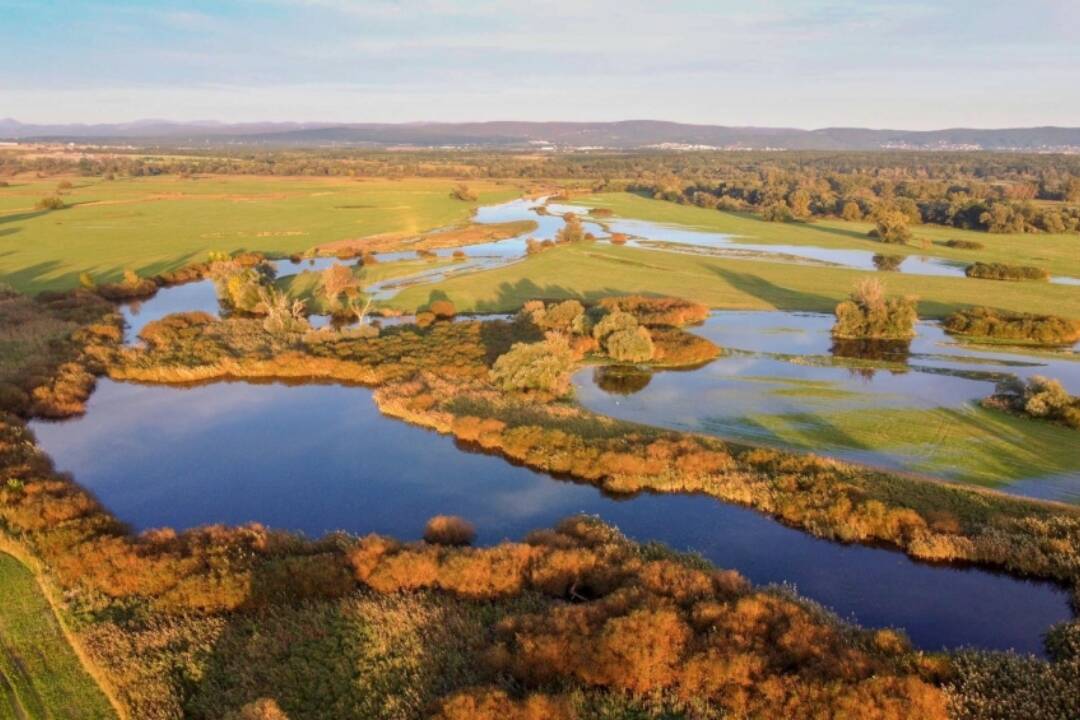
[(780, 297), (51, 275)]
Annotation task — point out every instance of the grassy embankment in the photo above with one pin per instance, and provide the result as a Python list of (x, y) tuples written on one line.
[(151, 225), (1058, 253), (40, 676)]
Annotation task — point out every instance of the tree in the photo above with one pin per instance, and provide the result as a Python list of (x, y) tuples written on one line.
[(337, 279), (572, 231), (623, 339), (891, 226), (442, 309), (630, 345), (851, 211), (282, 316), (868, 314), (799, 201), (777, 212), (541, 366)]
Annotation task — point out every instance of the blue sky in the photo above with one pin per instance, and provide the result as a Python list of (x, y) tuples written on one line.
[(793, 63)]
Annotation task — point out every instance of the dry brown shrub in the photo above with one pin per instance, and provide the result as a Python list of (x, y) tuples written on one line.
[(495, 704), (64, 394), (261, 709), (605, 643), (366, 554), (174, 327), (891, 642), (494, 572), (562, 572), (474, 429), (640, 651), (449, 530), (442, 309), (408, 570), (678, 582)]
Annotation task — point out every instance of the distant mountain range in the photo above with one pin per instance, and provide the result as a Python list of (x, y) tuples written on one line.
[(628, 134)]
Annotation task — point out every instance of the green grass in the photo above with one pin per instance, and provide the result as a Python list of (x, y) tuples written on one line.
[(40, 676), (156, 224), (1058, 253), (968, 444), (592, 270)]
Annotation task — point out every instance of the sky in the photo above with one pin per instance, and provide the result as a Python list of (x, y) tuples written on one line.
[(787, 63)]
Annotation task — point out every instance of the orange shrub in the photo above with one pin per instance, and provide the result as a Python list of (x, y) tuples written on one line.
[(495, 704), (442, 309)]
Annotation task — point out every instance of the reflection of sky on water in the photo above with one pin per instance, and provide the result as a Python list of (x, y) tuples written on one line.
[(734, 394), (316, 458)]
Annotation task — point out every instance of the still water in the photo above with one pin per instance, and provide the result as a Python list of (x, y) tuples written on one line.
[(317, 458), (779, 386)]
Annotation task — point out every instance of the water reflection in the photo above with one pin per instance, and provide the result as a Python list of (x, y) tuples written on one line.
[(317, 458), (621, 379), (904, 406), (893, 351), (888, 263)]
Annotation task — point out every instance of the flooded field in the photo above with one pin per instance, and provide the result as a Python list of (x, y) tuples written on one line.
[(780, 384)]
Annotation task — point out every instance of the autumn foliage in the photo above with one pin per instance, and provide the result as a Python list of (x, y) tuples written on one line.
[(629, 622)]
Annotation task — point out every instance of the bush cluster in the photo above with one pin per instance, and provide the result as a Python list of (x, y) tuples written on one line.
[(964, 244), (868, 314), (1001, 271), (1039, 397), (543, 366), (650, 310), (984, 322), (621, 337)]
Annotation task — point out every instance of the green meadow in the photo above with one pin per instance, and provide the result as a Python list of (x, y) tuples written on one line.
[(593, 270), (40, 676), (152, 224)]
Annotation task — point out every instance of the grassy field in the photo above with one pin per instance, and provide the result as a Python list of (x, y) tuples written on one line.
[(1058, 253), (159, 223), (593, 270), (40, 676)]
